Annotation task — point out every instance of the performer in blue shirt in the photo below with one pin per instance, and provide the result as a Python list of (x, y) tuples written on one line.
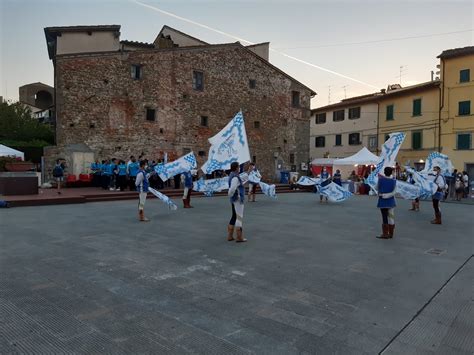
[(122, 175), (95, 168), (106, 174), (187, 179), (237, 196), (142, 184), (386, 189), (337, 178), (133, 168), (325, 179), (439, 180)]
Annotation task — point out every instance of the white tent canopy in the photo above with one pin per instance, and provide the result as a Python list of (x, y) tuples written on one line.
[(362, 157), (323, 162), (10, 152)]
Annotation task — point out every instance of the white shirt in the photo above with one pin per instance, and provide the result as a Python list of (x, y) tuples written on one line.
[(234, 184)]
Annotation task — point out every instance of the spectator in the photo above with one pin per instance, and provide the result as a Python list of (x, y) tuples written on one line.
[(133, 168), (465, 179), (459, 187), (58, 173), (122, 175)]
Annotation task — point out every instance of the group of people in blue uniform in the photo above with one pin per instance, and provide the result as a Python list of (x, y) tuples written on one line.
[(115, 174)]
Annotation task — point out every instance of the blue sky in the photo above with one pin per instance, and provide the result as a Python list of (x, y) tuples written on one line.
[(319, 32)]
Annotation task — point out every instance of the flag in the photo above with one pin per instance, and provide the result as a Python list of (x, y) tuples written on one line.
[(208, 187), (228, 146), (334, 192), (255, 177), (407, 191), (268, 190), (307, 181), (185, 163), (427, 187), (387, 158), (171, 205), (441, 160)]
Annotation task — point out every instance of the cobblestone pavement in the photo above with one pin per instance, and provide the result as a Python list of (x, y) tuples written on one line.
[(312, 279)]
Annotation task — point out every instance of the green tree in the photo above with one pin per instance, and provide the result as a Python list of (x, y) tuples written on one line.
[(18, 128)]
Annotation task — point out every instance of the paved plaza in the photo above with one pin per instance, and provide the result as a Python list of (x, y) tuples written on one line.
[(312, 279)]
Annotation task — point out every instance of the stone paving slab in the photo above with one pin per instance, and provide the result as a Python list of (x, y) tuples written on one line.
[(312, 279)]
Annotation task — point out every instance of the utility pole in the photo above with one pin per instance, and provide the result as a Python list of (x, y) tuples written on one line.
[(329, 94)]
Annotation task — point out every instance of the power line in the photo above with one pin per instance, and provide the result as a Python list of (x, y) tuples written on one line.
[(380, 40), (249, 42)]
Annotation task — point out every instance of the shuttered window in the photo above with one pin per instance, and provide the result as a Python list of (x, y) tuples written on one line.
[(389, 116), (417, 107), (464, 108), (416, 140)]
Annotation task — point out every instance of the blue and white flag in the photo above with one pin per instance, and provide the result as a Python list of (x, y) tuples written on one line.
[(268, 190), (185, 163), (255, 177), (441, 160), (387, 158), (334, 192), (171, 205), (407, 191), (307, 181), (208, 187), (228, 146), (427, 186)]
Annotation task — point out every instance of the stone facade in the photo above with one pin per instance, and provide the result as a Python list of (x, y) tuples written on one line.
[(99, 103)]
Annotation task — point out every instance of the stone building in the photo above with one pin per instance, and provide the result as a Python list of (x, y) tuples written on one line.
[(38, 97), (122, 98)]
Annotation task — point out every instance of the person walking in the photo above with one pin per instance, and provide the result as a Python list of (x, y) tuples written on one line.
[(58, 173), (237, 196), (187, 180), (438, 179), (386, 189), (142, 184)]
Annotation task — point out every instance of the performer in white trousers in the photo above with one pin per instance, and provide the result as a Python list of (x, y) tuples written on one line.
[(237, 196), (141, 182)]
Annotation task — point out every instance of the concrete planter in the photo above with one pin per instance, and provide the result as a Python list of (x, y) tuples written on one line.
[(19, 166)]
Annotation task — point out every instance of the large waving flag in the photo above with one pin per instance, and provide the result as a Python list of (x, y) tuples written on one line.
[(334, 192), (228, 146), (171, 205), (208, 187), (407, 191), (185, 163), (268, 190), (255, 176), (307, 181), (441, 160), (427, 187), (387, 158)]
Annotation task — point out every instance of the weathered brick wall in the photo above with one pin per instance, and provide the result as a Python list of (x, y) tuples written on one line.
[(99, 104)]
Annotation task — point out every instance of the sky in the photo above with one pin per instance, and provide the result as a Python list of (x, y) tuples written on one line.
[(362, 40)]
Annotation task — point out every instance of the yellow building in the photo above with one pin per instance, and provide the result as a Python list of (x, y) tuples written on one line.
[(456, 110), (413, 110)]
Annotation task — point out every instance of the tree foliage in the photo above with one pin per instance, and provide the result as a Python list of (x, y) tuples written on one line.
[(17, 125)]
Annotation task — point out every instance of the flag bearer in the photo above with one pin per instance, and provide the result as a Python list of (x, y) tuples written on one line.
[(386, 188), (142, 184), (187, 179), (237, 196)]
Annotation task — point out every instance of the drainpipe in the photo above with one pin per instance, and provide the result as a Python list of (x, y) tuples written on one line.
[(441, 106), (378, 114)]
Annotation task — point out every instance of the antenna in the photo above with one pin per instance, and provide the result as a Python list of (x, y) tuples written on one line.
[(329, 94), (345, 94), (402, 69)]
